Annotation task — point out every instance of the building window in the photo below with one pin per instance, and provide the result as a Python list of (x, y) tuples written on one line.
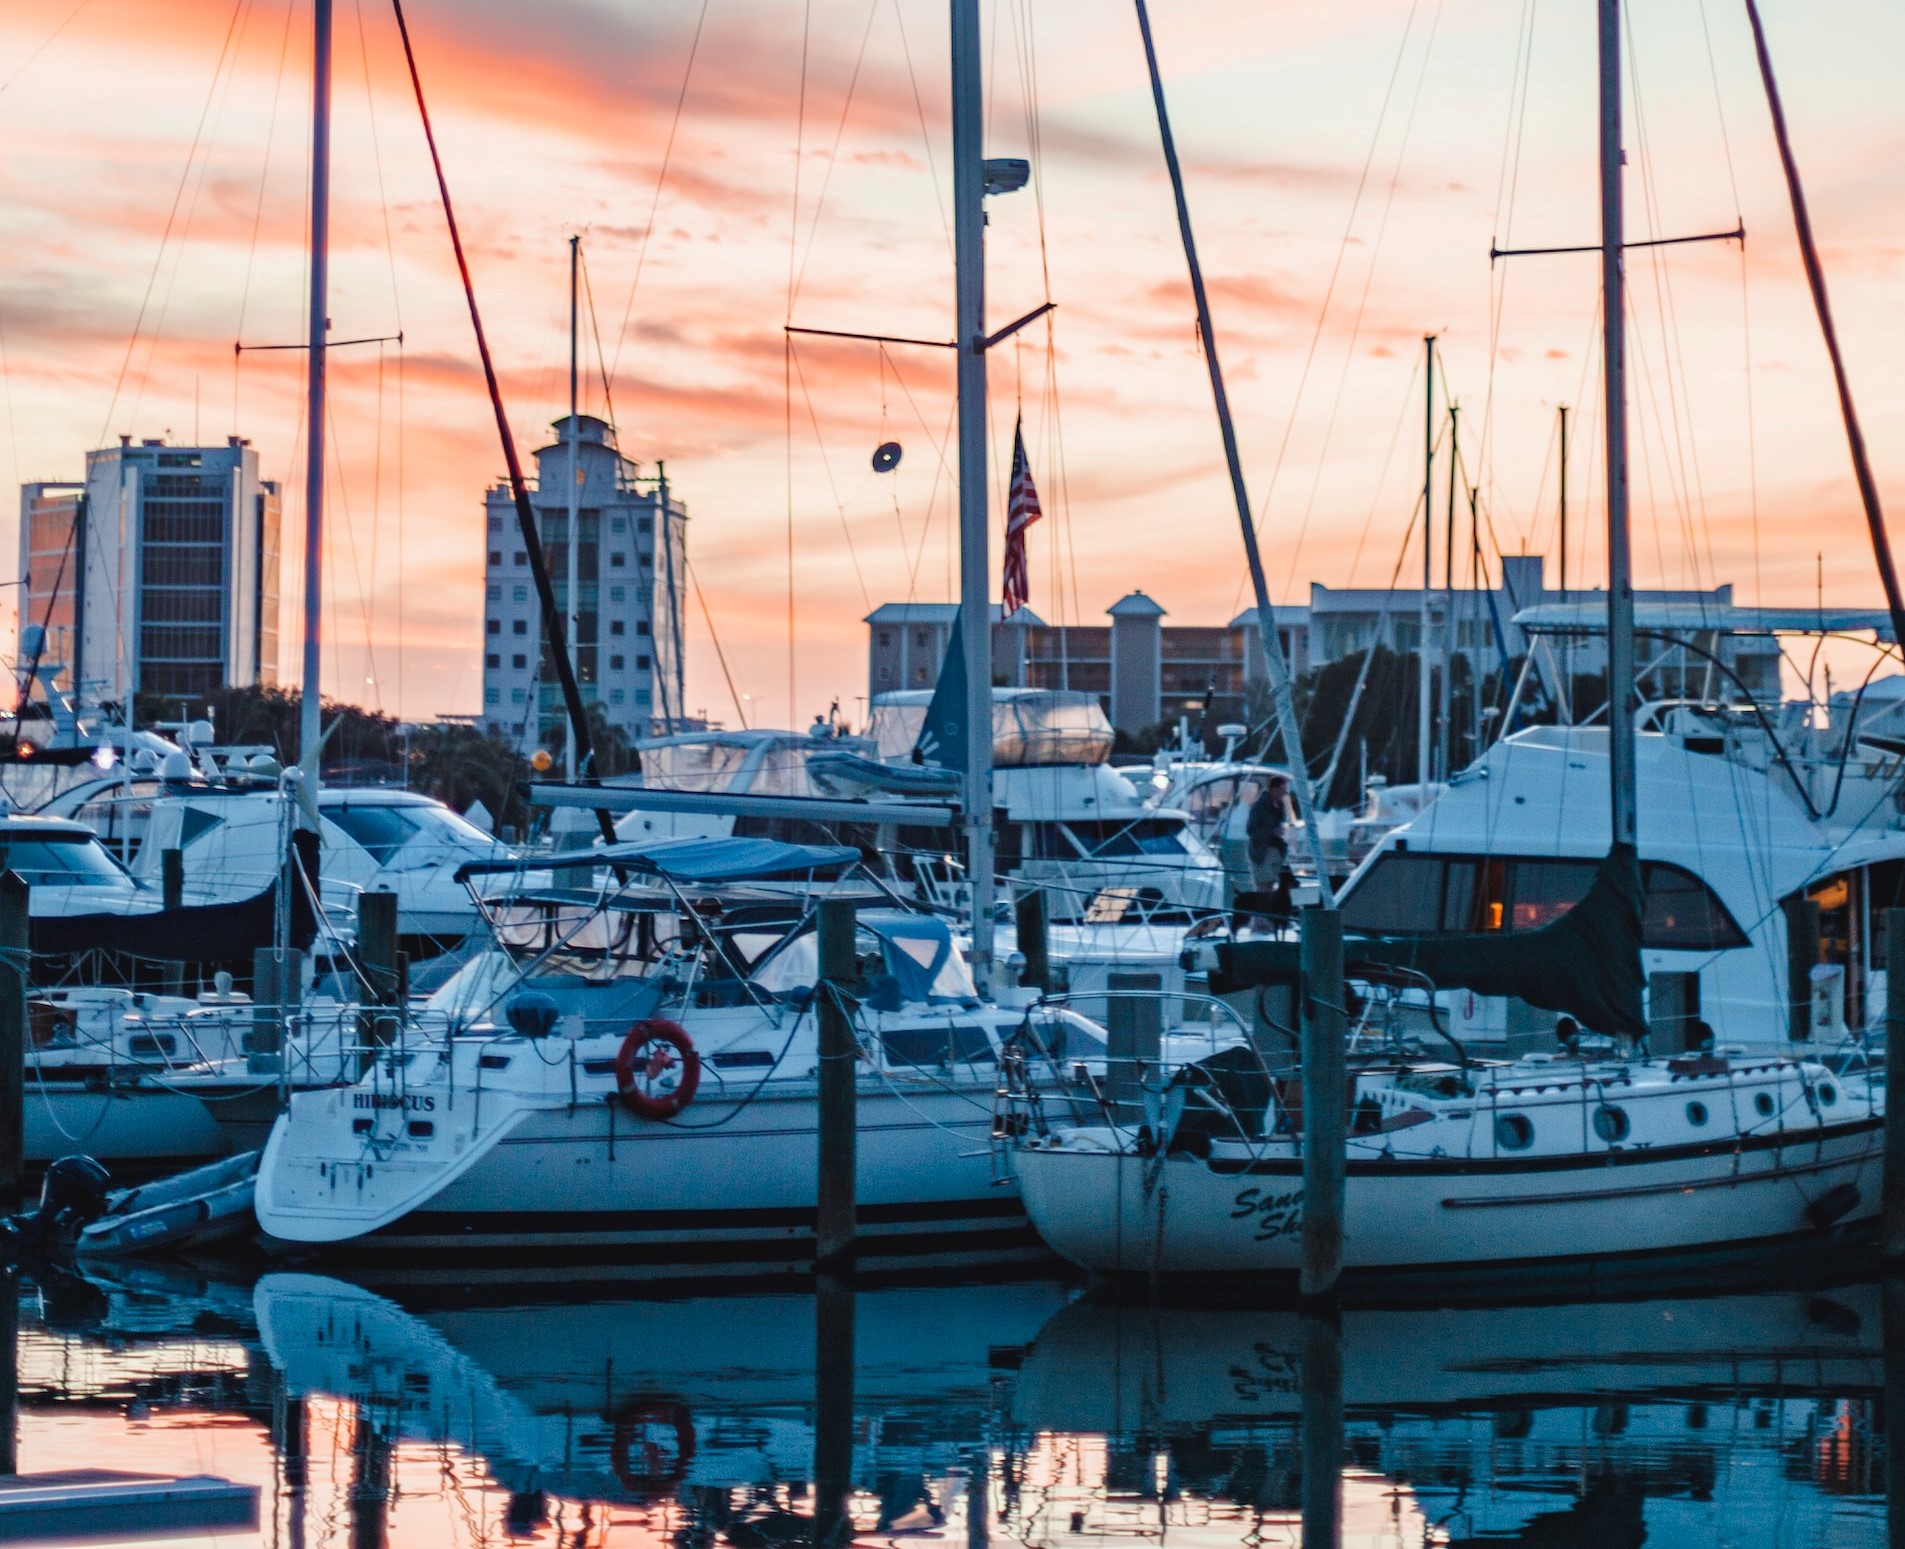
[(618, 594), (518, 627), (616, 627), (493, 593), (641, 697), (641, 664), (919, 638), (886, 638), (645, 526), (618, 560), (641, 626), (519, 661), (615, 696), (521, 557), (495, 524), (519, 594), (616, 663), (495, 626), (491, 697), (516, 696), (495, 556), (493, 659), (618, 525)]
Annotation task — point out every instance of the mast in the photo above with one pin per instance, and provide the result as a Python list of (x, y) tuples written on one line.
[(1424, 682), (575, 499), (1445, 698), (309, 731), (1275, 667), (1620, 592), (1567, 641), (969, 255)]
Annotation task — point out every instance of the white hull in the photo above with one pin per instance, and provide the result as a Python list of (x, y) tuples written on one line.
[(1122, 1214), (124, 1127), (586, 1181)]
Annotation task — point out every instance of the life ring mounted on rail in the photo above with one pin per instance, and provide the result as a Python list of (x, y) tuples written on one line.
[(657, 1069)]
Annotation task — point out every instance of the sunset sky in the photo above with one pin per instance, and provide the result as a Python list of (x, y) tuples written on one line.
[(153, 198)]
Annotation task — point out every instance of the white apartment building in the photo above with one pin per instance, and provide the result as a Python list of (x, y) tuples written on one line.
[(625, 624)]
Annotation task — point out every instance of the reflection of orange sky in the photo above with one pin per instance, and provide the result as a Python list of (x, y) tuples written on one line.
[(554, 118)]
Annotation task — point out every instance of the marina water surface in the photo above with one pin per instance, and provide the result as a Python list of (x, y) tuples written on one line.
[(1022, 1412)]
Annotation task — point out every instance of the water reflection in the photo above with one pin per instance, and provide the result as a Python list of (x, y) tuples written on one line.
[(1010, 1413)]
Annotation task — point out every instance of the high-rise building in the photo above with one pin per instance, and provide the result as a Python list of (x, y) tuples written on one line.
[(631, 584), (157, 575)]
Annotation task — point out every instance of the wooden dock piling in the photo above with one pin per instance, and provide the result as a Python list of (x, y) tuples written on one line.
[(15, 944), (1892, 1197), (1325, 1099), (836, 1206)]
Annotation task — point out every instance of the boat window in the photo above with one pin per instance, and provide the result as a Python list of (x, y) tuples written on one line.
[(1683, 913), (194, 821), (1696, 1114), (1400, 895), (77, 860), (381, 831), (1610, 1123), (1101, 838), (1828, 1094), (1406, 893), (1514, 1132), (1763, 1102)]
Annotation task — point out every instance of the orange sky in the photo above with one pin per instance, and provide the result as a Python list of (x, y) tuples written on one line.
[(153, 185)]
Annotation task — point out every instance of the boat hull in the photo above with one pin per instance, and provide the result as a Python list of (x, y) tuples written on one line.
[(1179, 1216), (130, 1128), (591, 1184)]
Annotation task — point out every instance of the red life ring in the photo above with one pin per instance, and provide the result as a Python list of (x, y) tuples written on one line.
[(657, 1069), (652, 1447)]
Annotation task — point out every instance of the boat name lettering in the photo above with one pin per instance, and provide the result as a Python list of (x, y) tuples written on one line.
[(1272, 1372), (393, 1100), (1274, 1214)]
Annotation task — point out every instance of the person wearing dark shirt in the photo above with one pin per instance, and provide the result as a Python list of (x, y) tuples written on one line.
[(1267, 831)]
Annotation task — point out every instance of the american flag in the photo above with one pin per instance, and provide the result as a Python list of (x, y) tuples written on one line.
[(1021, 511)]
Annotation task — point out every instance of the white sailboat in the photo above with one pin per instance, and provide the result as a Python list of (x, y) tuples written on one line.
[(1553, 1161)]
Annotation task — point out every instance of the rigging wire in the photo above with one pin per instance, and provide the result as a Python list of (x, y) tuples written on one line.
[(44, 44), (720, 655), (787, 341), (258, 208), (661, 179)]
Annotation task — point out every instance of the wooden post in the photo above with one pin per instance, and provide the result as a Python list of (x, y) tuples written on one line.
[(1892, 1197), (9, 1373), (377, 958), (1034, 929), (1802, 956), (834, 1218), (833, 1406), (15, 943), (1673, 1004), (1135, 1025), (1325, 1100), (370, 1482), (1321, 1384), (172, 896), (979, 1499), (1892, 1332), (277, 989)]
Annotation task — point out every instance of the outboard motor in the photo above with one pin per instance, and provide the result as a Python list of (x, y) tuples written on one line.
[(72, 1195)]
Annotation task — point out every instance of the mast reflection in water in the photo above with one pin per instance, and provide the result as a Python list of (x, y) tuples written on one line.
[(691, 1422)]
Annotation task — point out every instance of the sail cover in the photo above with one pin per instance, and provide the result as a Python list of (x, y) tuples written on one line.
[(1586, 964)]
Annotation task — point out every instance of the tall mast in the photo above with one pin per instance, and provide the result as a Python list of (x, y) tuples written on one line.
[(969, 252), (309, 730), (1424, 682), (1564, 502), (1620, 591), (575, 500), (1276, 667), (1445, 698)]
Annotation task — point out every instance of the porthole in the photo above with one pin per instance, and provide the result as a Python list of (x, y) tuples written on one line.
[(1513, 1132), (1763, 1101), (1696, 1114), (1828, 1094), (1610, 1124)]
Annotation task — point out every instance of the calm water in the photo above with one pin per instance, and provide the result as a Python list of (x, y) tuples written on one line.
[(419, 1418)]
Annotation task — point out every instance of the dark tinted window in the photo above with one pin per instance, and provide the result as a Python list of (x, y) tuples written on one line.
[(1135, 836), (1405, 894), (1683, 913)]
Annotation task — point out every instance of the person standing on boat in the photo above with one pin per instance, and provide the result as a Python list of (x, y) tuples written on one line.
[(1267, 830)]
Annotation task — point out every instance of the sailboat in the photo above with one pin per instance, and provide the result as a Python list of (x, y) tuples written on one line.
[(1558, 1159)]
